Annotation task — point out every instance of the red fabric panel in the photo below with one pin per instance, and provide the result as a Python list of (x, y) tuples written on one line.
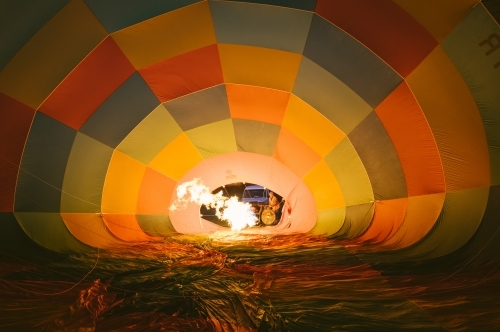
[(155, 193), (412, 137), (384, 27), (294, 153), (14, 127), (88, 85), (185, 73)]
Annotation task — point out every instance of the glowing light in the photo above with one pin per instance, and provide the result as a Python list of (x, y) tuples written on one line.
[(237, 214)]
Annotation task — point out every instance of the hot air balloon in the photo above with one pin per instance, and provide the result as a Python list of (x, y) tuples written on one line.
[(377, 122)]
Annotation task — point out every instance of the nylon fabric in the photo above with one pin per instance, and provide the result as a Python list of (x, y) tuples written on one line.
[(330, 96), (329, 221), (379, 157), (121, 187), (84, 89), (256, 25), (324, 186), (214, 138), (259, 66), (469, 47), (150, 136), (49, 231), (383, 27), (465, 161), (255, 137), (85, 172), (14, 128), (90, 229), (33, 73), (317, 132), (257, 103), (43, 165), (200, 108), (350, 173), (167, 162), (413, 140), (350, 62), (145, 43), (183, 74)]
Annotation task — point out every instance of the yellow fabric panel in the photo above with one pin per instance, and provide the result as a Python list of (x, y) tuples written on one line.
[(454, 120), (150, 136), (214, 138), (176, 158), (44, 61), (121, 187), (324, 187), (90, 229), (421, 215), (259, 66), (329, 222), (311, 126), (438, 17), (167, 35)]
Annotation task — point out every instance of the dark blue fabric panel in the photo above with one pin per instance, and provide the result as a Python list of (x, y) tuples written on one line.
[(121, 112), (43, 165), (118, 14), (20, 20), (351, 62), (299, 4), (200, 108)]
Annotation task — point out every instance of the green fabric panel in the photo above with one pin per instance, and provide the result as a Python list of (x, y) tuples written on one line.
[(150, 136), (330, 96), (255, 136), (256, 25), (49, 231), (357, 220), (85, 174), (43, 165), (213, 139), (380, 159), (20, 20), (329, 221), (156, 224), (350, 172), (481, 73), (200, 108), (462, 213), (17, 245)]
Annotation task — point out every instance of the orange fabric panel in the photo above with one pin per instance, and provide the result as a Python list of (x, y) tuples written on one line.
[(14, 127), (422, 213), (185, 73), (88, 85), (412, 137), (257, 103), (154, 193), (387, 219), (295, 154), (384, 27), (90, 229), (125, 227), (456, 123)]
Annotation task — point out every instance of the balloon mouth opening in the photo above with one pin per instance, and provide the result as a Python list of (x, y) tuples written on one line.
[(236, 206)]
